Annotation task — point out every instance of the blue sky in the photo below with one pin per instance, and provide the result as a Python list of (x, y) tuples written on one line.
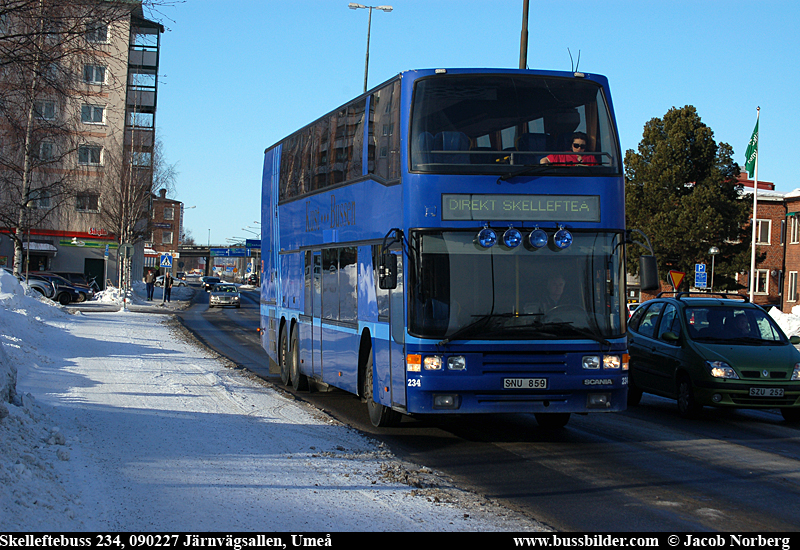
[(239, 75)]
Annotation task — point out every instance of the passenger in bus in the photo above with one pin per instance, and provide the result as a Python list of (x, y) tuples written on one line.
[(578, 156)]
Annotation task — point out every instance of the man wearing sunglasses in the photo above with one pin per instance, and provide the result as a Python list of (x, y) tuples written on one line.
[(578, 156)]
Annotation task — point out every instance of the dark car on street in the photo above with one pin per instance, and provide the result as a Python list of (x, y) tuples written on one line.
[(86, 288), (209, 282), (66, 292), (716, 350)]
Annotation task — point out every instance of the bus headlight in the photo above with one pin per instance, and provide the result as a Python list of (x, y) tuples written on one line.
[(512, 237), (456, 362), (611, 362), (432, 362), (591, 362), (537, 238), (563, 238), (487, 238)]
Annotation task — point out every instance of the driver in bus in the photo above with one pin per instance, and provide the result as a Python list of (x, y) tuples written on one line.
[(578, 156)]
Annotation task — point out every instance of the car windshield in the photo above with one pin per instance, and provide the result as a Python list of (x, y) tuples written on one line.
[(225, 288), (726, 324), (500, 124)]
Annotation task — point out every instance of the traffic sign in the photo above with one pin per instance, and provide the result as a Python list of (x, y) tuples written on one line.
[(700, 276), (677, 278), (166, 261), (126, 250)]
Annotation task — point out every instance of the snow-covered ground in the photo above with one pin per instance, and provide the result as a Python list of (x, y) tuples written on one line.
[(120, 422)]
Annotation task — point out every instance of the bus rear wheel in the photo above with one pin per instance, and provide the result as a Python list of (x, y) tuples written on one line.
[(380, 415), (299, 380), (283, 357)]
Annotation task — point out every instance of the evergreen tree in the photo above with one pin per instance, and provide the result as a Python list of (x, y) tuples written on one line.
[(681, 190)]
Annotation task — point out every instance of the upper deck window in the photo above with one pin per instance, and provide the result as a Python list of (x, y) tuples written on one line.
[(498, 124)]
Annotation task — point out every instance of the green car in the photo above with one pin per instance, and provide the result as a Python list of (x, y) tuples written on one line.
[(716, 350)]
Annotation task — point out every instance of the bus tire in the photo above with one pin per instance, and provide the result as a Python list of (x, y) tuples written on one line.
[(299, 380), (380, 415), (552, 421), (634, 393), (283, 357)]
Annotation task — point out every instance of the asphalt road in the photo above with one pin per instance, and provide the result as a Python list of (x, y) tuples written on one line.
[(642, 470)]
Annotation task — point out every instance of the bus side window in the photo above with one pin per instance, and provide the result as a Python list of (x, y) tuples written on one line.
[(381, 294)]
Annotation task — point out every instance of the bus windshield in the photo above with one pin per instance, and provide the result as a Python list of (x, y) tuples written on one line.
[(458, 290), (497, 124)]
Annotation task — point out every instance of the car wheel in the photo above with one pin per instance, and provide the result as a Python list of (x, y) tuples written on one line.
[(552, 421), (380, 415), (634, 393), (81, 297), (299, 380), (283, 358), (791, 414), (687, 406), (64, 298)]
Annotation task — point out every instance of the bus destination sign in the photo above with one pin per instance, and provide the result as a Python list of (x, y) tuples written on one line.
[(557, 208)]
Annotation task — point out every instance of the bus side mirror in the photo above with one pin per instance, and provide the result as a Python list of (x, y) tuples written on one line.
[(387, 271), (648, 273)]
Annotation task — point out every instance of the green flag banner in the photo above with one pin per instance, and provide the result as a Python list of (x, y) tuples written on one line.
[(752, 152)]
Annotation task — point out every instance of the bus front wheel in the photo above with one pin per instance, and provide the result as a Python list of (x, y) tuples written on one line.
[(380, 415)]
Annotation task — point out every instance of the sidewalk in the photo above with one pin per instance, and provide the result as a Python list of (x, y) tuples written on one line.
[(111, 300)]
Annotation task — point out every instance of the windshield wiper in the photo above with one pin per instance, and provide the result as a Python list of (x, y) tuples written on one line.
[(582, 332), (480, 323), (526, 170)]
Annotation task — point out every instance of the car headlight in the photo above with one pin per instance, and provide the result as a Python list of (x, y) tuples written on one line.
[(721, 369), (796, 372)]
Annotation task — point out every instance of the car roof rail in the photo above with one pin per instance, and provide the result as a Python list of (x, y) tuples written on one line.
[(723, 295)]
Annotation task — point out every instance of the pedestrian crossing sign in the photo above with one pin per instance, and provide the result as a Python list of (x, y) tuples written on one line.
[(166, 260)]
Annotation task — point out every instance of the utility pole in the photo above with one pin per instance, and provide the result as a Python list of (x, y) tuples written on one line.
[(523, 41)]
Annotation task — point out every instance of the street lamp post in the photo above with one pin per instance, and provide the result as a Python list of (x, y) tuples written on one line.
[(713, 251), (354, 6)]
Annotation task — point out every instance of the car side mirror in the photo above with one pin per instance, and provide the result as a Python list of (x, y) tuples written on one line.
[(794, 340), (387, 271)]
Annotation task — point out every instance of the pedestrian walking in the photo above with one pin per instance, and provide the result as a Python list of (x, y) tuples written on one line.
[(167, 285), (150, 282)]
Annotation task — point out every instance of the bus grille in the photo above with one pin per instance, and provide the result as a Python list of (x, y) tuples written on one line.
[(518, 364)]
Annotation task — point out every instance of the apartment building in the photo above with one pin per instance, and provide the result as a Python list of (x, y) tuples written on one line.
[(91, 181)]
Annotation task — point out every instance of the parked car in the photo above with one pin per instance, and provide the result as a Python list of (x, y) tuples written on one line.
[(224, 294), (715, 350), (80, 280), (66, 292), (180, 275), (43, 287), (209, 282), (631, 308), (175, 281)]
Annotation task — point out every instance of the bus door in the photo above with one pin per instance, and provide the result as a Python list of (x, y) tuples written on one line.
[(397, 330), (316, 317)]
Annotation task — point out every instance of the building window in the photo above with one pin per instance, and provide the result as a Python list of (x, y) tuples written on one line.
[(166, 237), (169, 213), (88, 202), (762, 281), (794, 230), (791, 290), (94, 74), (44, 150), (40, 198), (90, 155), (97, 33), (141, 158), (45, 109), (93, 114), (763, 230)]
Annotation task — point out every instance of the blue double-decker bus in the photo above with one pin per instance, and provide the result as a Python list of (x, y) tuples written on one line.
[(452, 242)]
